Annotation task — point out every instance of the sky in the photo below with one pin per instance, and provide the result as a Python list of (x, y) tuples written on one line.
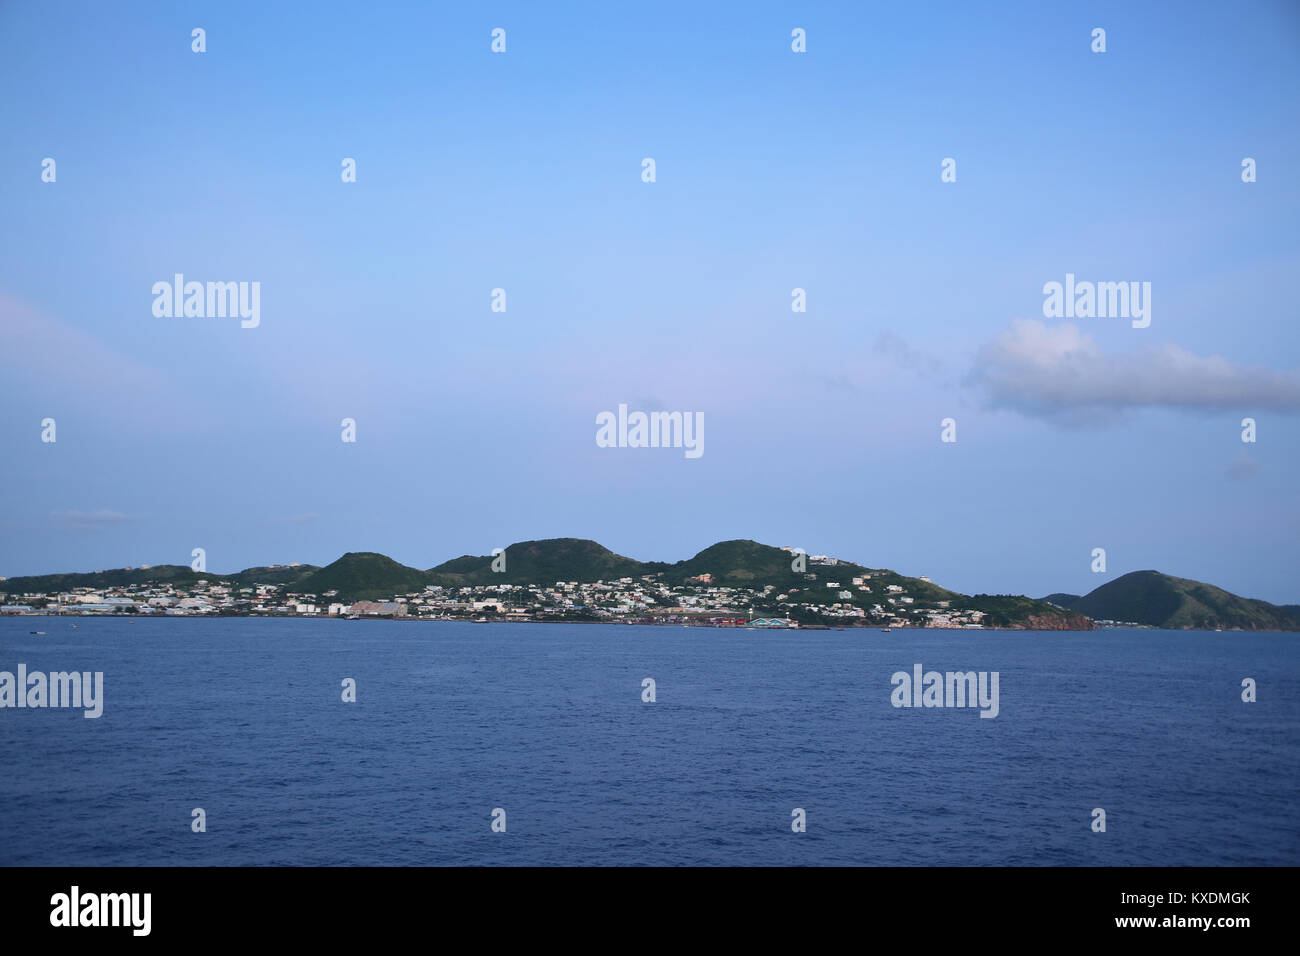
[(774, 170)]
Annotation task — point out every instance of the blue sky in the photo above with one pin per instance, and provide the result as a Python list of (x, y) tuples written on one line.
[(775, 170)]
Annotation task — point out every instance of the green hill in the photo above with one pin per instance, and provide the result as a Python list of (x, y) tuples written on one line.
[(740, 563), (362, 575), (542, 562), (744, 563), (1160, 600), (180, 575), (284, 574), (1061, 599)]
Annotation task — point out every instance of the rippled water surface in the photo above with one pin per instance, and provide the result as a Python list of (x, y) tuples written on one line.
[(243, 718)]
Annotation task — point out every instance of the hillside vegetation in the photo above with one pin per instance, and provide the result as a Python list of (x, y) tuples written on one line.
[(1161, 600)]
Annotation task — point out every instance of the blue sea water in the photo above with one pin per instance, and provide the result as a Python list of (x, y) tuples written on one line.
[(244, 718)]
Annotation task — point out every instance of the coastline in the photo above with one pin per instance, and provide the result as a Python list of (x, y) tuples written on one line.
[(133, 618)]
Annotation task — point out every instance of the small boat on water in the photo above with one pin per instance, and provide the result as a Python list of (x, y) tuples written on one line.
[(884, 630), (37, 632)]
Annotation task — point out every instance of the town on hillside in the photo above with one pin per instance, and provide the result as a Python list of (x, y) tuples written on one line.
[(824, 601)]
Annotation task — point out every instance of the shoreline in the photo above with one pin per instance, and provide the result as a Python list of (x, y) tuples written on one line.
[(716, 627)]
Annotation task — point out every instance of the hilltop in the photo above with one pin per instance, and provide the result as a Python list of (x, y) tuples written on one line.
[(542, 562), (1161, 600), (177, 574), (362, 575)]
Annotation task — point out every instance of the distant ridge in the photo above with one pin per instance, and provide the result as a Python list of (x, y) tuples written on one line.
[(361, 575), (1161, 600), (542, 562), (180, 574)]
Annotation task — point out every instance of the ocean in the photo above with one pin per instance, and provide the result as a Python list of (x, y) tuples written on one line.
[(453, 722)]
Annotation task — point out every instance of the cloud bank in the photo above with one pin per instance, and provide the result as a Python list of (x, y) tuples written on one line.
[(88, 520)]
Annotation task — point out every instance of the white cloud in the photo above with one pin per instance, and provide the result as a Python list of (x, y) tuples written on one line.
[(1243, 468), (88, 520), (889, 344), (1058, 371)]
